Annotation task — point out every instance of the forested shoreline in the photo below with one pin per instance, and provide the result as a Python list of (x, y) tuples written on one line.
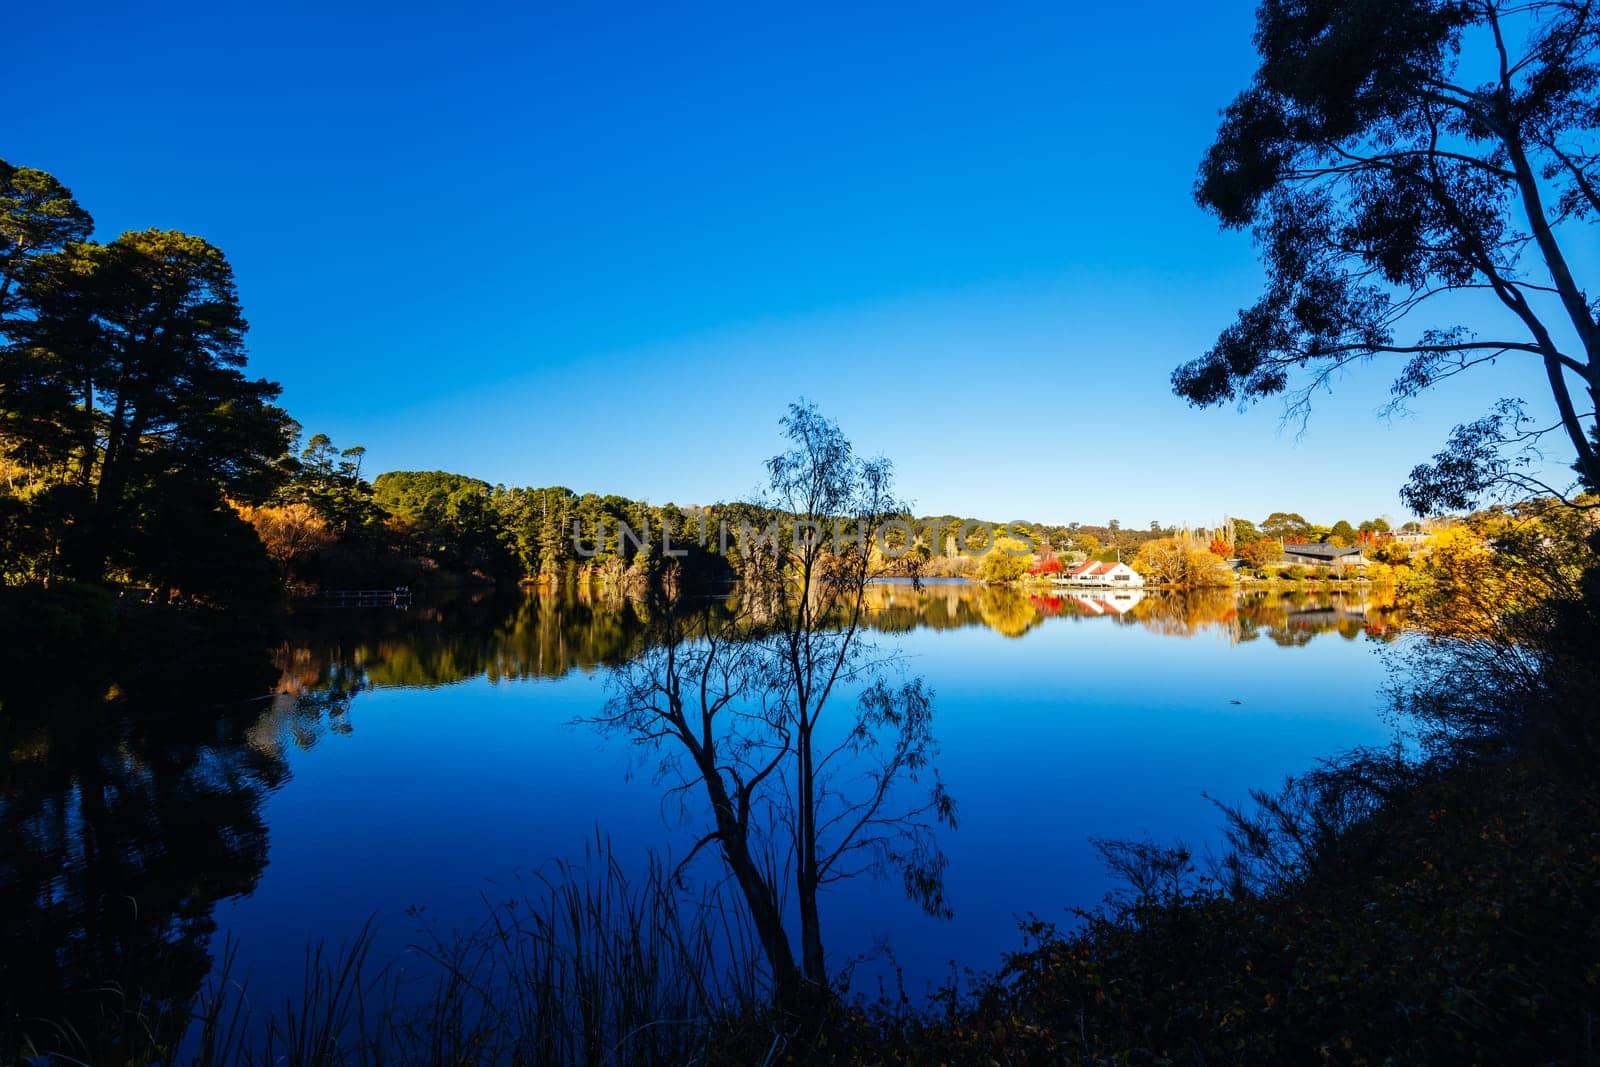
[(139, 455), (141, 458)]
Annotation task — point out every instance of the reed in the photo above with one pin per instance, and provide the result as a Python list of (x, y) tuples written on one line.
[(585, 965)]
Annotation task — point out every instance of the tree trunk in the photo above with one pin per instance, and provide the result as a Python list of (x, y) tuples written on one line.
[(1572, 300), (816, 968), (759, 895)]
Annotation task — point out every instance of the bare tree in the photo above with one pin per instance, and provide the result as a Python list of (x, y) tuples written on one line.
[(701, 698), (814, 759)]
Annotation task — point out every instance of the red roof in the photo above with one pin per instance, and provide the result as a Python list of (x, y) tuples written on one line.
[(1093, 568)]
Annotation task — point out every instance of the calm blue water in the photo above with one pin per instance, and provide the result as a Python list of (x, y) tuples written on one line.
[(451, 765)]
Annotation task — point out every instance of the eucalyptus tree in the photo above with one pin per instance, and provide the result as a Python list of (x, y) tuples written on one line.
[(814, 759), (1283, 524), (1417, 174)]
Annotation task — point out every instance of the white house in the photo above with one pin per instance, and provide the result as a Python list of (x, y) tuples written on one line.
[(1102, 576)]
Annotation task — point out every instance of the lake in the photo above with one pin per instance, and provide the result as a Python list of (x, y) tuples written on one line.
[(409, 766)]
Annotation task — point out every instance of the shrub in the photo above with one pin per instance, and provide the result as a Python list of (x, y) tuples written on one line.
[(289, 533), (48, 633), (34, 619)]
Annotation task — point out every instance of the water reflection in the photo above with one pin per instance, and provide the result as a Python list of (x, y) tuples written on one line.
[(120, 829), (333, 655), (124, 822), (1286, 618)]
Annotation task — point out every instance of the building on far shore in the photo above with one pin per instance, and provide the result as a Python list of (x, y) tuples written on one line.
[(1103, 576), (1324, 555)]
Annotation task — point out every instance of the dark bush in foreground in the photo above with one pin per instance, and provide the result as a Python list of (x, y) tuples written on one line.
[(37, 620)]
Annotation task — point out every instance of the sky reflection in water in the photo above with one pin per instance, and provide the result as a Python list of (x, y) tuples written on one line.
[(423, 779)]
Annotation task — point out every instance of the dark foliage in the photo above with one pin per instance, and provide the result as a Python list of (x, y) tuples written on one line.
[(1381, 180)]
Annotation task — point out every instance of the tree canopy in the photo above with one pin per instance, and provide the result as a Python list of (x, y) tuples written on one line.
[(122, 381), (38, 216), (1400, 163), (1284, 524)]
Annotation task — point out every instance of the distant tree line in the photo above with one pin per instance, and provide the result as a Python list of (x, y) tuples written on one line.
[(137, 452)]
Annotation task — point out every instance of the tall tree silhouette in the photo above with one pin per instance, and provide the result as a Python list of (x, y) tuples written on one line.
[(1401, 164), (132, 357)]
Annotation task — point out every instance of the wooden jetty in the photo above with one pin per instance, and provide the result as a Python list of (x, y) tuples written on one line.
[(398, 597)]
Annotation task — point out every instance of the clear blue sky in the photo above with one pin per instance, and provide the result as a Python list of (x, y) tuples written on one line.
[(603, 246)]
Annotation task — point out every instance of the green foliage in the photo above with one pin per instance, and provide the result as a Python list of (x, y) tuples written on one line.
[(329, 480), (447, 517), (38, 216), (24, 549), (1245, 533), (121, 379), (134, 355), (1284, 524)]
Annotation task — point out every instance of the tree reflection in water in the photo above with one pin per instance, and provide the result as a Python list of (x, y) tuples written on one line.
[(546, 634), (124, 821), (1286, 618)]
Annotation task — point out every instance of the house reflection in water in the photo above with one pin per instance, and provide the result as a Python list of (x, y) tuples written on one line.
[(1108, 602)]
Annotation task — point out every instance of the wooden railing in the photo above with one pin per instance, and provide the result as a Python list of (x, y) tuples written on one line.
[(399, 597)]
